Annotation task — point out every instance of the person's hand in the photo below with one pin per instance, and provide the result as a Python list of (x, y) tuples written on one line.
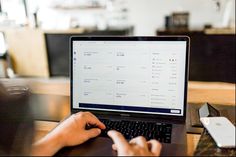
[(136, 147), (73, 130), (70, 132)]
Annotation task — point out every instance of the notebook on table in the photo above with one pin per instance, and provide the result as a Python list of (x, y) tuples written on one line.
[(135, 85)]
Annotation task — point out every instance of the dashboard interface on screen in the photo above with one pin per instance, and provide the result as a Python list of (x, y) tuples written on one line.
[(129, 76)]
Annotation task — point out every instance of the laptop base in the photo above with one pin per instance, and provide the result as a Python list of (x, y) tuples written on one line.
[(101, 146)]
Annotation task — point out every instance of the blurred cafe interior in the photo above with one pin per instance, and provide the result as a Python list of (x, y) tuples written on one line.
[(34, 48)]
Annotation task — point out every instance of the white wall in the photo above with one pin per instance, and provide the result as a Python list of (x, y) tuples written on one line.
[(148, 15)]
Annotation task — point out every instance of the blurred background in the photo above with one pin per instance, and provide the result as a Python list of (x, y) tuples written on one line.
[(34, 49), (34, 34)]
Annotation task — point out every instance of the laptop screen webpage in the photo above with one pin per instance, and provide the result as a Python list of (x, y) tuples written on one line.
[(129, 76)]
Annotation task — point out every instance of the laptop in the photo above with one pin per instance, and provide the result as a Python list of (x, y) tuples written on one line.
[(136, 85)]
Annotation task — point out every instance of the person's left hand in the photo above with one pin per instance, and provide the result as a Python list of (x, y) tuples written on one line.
[(70, 132), (73, 130)]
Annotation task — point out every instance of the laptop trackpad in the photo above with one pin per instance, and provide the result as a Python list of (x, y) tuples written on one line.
[(99, 146)]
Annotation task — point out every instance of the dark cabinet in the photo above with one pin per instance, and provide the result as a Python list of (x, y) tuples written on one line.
[(212, 56), (58, 47)]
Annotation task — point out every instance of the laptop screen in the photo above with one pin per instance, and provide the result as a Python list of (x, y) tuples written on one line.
[(129, 76)]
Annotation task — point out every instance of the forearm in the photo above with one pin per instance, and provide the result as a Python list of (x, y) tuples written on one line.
[(47, 146)]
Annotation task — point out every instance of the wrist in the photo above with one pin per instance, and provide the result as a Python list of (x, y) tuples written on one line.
[(57, 140), (48, 145)]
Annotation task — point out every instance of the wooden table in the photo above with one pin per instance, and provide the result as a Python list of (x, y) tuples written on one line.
[(198, 92)]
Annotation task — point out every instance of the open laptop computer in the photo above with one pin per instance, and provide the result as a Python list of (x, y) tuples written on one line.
[(136, 85)]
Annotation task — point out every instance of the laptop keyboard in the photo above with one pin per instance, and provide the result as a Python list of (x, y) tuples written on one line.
[(131, 129)]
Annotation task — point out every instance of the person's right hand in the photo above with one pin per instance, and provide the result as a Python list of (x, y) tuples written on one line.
[(136, 147)]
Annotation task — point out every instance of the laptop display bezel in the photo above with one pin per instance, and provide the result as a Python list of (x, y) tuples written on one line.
[(132, 38)]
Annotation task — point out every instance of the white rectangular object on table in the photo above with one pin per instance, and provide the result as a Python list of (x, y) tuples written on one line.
[(221, 130)]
